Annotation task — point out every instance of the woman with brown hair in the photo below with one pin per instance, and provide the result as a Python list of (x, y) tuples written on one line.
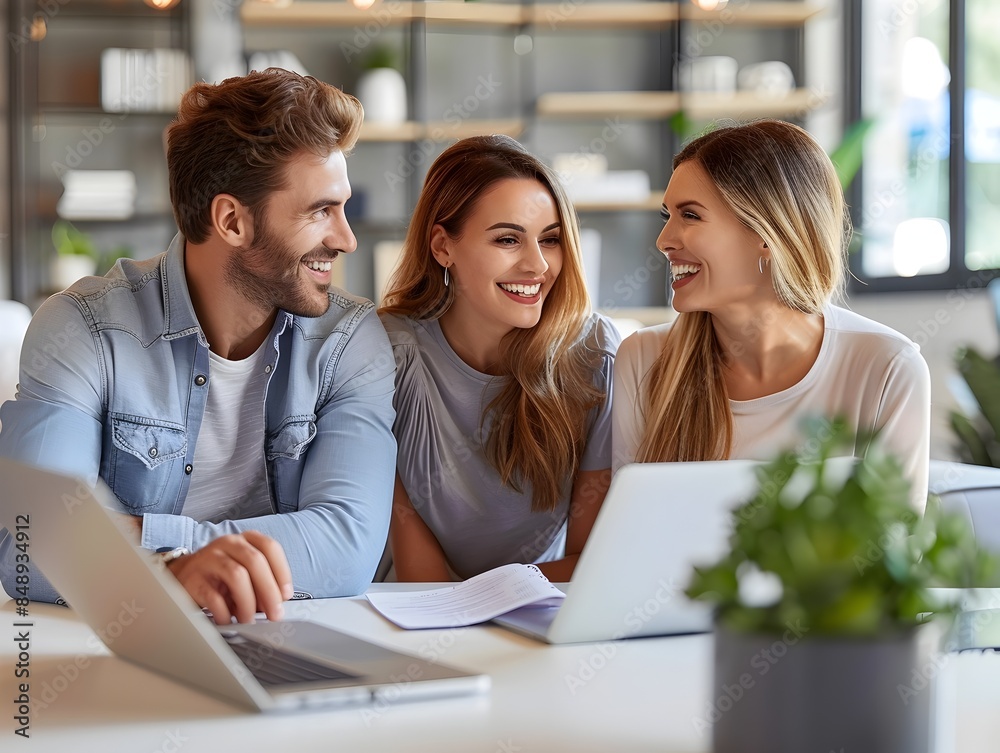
[(503, 374), (756, 231)]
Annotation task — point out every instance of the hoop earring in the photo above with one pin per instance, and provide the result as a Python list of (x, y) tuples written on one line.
[(447, 277), (761, 263)]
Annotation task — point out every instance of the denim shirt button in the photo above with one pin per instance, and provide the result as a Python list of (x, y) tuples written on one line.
[(188, 468), (152, 452), (200, 380), (267, 369)]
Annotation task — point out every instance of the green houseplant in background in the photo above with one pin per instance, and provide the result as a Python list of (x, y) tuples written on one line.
[(77, 255), (827, 654), (979, 436)]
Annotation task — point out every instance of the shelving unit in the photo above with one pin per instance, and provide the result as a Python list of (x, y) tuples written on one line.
[(598, 14), (57, 123), (543, 115)]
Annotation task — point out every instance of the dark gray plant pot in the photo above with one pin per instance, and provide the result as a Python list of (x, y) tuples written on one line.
[(778, 693)]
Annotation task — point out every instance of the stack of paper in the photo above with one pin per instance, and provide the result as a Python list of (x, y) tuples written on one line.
[(475, 600), (97, 195), (143, 80)]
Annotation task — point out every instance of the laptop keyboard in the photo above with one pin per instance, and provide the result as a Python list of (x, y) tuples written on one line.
[(273, 667)]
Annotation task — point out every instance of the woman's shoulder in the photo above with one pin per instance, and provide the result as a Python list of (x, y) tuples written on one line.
[(403, 331), (408, 338), (860, 331), (599, 334), (645, 341)]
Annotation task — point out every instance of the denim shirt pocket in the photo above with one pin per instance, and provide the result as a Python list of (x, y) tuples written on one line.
[(286, 451), (291, 438), (140, 470)]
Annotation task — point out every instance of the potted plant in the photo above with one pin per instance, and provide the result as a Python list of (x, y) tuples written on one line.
[(820, 603), (382, 88), (979, 436), (77, 255)]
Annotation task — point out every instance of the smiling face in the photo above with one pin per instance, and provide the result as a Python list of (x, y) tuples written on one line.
[(713, 255), (505, 261), (299, 234)]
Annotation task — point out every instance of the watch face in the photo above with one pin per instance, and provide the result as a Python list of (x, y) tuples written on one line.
[(173, 554)]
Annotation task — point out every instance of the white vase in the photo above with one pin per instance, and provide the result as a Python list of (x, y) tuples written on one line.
[(66, 269), (382, 92)]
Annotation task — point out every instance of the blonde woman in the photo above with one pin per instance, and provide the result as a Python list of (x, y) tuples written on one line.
[(755, 232), (503, 375)]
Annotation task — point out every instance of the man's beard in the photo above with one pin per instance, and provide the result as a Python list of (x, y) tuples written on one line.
[(266, 274)]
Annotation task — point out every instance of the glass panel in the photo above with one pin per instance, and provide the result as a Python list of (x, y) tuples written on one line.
[(982, 129), (903, 220)]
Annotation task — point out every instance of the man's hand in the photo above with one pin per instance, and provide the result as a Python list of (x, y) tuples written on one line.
[(237, 576)]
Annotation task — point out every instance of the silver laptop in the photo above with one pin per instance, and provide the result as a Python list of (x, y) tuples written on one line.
[(658, 520), (144, 615)]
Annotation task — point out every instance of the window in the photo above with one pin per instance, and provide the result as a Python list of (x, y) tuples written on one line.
[(927, 202)]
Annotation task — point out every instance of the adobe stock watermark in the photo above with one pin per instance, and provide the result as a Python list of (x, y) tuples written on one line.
[(707, 32), (761, 663), (885, 198), (628, 285), (399, 683), (633, 622), (893, 537), (173, 741), (381, 16), (457, 113), (29, 28), (555, 14), (71, 670), (901, 12), (93, 137), (930, 327)]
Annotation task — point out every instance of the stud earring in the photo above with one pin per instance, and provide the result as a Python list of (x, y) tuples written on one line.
[(447, 277)]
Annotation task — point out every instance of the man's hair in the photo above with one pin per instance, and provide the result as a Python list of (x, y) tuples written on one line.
[(538, 428), (777, 180), (237, 138)]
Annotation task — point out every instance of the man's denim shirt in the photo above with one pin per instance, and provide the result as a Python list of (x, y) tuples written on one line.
[(113, 382)]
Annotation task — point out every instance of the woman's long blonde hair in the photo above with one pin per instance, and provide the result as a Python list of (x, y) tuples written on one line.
[(779, 182), (539, 420)]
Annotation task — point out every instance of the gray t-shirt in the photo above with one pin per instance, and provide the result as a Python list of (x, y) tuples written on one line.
[(439, 403)]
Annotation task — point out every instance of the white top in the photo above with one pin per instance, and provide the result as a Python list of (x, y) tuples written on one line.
[(229, 480), (870, 374)]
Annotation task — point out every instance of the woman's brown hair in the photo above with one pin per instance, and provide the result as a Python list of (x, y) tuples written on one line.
[(539, 420), (777, 180)]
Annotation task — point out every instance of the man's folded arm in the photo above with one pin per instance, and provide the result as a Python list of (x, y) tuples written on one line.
[(335, 539)]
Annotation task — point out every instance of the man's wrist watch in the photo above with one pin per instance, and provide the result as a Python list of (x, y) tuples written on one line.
[(169, 555)]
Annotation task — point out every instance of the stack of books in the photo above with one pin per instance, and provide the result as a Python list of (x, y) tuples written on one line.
[(144, 80)]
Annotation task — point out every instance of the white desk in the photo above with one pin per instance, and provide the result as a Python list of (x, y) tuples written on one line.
[(643, 697)]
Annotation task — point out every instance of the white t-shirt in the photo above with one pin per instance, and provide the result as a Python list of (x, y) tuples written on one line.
[(229, 480), (870, 374)]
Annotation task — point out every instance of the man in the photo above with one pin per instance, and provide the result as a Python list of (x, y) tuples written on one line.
[(237, 407)]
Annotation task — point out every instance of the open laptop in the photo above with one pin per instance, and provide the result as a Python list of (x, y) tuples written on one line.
[(658, 520), (144, 615)]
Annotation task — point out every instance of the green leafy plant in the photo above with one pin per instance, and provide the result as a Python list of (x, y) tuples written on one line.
[(979, 437), (70, 241), (848, 155), (841, 543), (380, 56)]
